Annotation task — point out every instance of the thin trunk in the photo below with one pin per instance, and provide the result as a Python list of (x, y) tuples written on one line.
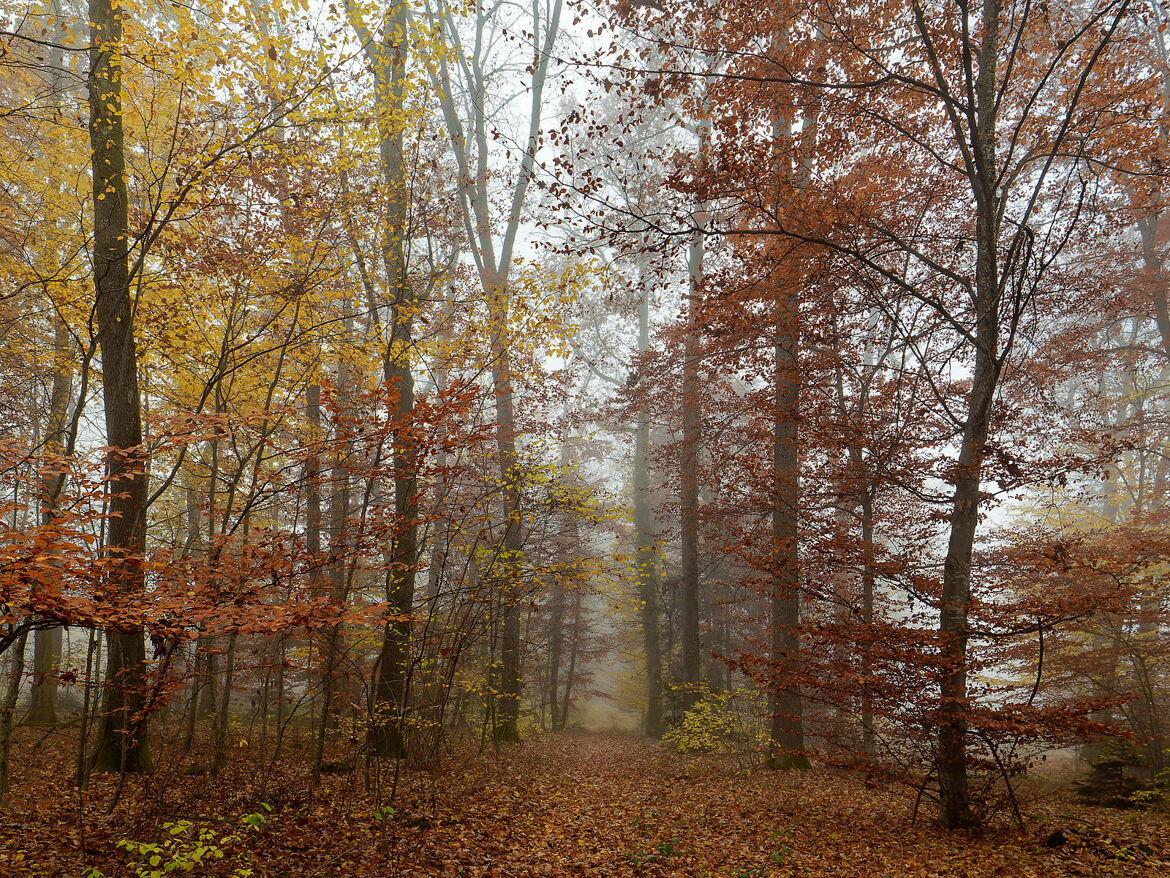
[(222, 713), (8, 710), (644, 547), (47, 642), (339, 503), (208, 698), (556, 643), (570, 676), (689, 466)]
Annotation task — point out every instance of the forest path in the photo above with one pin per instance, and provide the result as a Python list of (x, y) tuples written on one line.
[(594, 804), (568, 804)]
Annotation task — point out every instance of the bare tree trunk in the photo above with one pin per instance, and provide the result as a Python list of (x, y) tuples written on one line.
[(223, 709), (570, 677), (644, 546), (121, 741), (508, 726), (867, 583), (556, 643), (954, 797), (689, 467), (8, 710)]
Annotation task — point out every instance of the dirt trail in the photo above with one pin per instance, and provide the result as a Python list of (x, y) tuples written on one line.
[(581, 804), (564, 805)]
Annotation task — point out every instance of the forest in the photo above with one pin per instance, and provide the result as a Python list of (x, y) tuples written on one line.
[(584, 437)]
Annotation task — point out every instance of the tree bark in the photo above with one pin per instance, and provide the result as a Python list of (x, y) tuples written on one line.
[(689, 466), (391, 689), (556, 644), (786, 740), (954, 797), (121, 739), (508, 723), (644, 555), (8, 710)]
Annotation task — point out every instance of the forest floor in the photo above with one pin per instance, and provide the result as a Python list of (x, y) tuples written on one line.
[(564, 805)]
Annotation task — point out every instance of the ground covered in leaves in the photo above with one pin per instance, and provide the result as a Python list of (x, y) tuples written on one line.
[(570, 804)]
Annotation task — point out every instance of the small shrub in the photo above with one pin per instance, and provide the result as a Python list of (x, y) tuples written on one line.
[(706, 727), (720, 722), (184, 849)]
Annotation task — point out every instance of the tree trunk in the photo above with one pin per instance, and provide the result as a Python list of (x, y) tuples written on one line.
[(121, 739), (556, 644), (954, 798), (339, 561), (867, 583), (786, 741), (689, 466), (8, 710), (508, 725), (42, 709), (223, 709), (644, 546), (47, 642), (573, 650), (391, 688)]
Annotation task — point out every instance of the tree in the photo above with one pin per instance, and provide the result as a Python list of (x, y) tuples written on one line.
[(463, 97), (122, 734)]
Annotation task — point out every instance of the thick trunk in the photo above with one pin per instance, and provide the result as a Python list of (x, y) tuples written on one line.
[(867, 583), (391, 689), (121, 740), (786, 741), (46, 655), (954, 797), (508, 721)]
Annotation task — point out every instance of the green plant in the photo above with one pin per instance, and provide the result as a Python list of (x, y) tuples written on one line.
[(257, 819), (181, 850), (184, 848), (636, 857)]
